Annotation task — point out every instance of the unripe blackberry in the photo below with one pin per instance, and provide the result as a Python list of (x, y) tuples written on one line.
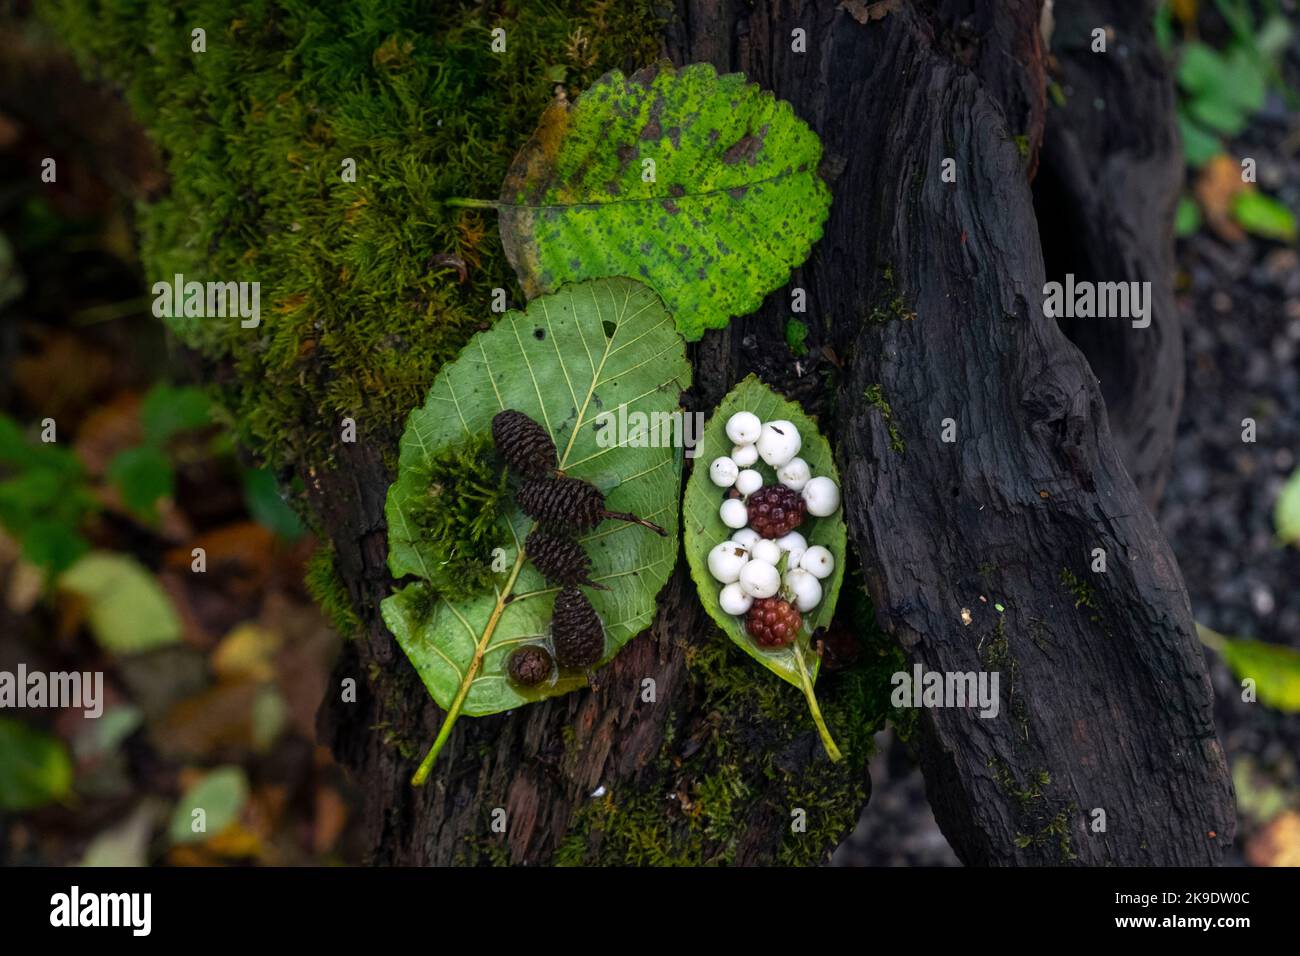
[(530, 665), (775, 511), (576, 631), (524, 444), (560, 559), (772, 622), (570, 504)]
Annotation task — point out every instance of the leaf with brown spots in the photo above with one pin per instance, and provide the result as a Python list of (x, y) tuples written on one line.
[(705, 187)]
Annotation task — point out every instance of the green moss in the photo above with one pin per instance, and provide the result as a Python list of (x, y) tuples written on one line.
[(796, 336), (1022, 146), (326, 587), (1083, 593), (891, 304), (758, 759), (466, 489), (876, 398), (361, 295)]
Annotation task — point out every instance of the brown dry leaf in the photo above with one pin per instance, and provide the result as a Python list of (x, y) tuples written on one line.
[(1216, 189), (865, 12), (242, 554), (217, 719), (62, 375), (330, 818), (108, 430), (1278, 843)]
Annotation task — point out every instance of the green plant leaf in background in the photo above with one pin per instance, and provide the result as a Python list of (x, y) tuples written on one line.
[(142, 476), (128, 611), (797, 664), (44, 497), (1274, 669), (35, 768), (605, 346), (168, 410), (1188, 217), (1264, 216), (267, 507), (220, 794), (1286, 512), (703, 186)]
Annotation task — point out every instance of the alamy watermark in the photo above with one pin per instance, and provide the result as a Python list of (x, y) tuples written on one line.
[(923, 688), (208, 300), (59, 689), (623, 429), (1098, 300)]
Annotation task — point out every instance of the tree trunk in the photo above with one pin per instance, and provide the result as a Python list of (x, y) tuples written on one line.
[(924, 305)]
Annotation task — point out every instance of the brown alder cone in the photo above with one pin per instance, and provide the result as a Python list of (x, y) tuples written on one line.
[(570, 504), (524, 444), (576, 631), (561, 559)]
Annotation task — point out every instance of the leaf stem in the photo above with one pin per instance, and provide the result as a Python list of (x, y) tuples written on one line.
[(828, 742), (471, 203), (453, 713)]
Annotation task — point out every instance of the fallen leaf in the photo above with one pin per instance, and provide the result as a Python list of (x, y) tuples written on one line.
[(127, 609), (1277, 843), (1216, 189), (247, 652), (865, 12)]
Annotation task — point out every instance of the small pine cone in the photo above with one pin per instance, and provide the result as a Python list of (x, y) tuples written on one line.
[(560, 559), (524, 444), (530, 665), (775, 511), (576, 631), (772, 622), (569, 504)]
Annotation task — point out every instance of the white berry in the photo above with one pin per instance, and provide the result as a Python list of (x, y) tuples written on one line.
[(765, 550), (734, 514), (723, 472), (822, 496), (726, 560), (794, 544), (745, 455), (794, 474), (778, 443), (746, 536), (744, 427), (760, 579), (818, 561), (803, 588), (748, 481), (734, 600)]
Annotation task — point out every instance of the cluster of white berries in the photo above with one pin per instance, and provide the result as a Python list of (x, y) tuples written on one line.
[(747, 565)]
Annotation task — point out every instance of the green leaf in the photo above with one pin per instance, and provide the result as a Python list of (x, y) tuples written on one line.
[(606, 346), (1202, 71), (1264, 216), (221, 796), (268, 508), (1199, 146), (1286, 513), (166, 411), (796, 664), (1275, 670), (1188, 217), (35, 768), (735, 201), (128, 611), (142, 475)]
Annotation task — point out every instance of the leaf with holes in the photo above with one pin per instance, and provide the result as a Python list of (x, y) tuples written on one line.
[(704, 186), (600, 366), (797, 663)]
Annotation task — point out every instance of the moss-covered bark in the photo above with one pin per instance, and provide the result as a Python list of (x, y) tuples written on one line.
[(362, 300)]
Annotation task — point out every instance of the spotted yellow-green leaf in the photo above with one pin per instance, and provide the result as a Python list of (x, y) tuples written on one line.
[(703, 186), (600, 366), (797, 663)]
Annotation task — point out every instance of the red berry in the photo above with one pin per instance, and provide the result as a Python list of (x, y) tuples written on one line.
[(772, 622), (775, 510)]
